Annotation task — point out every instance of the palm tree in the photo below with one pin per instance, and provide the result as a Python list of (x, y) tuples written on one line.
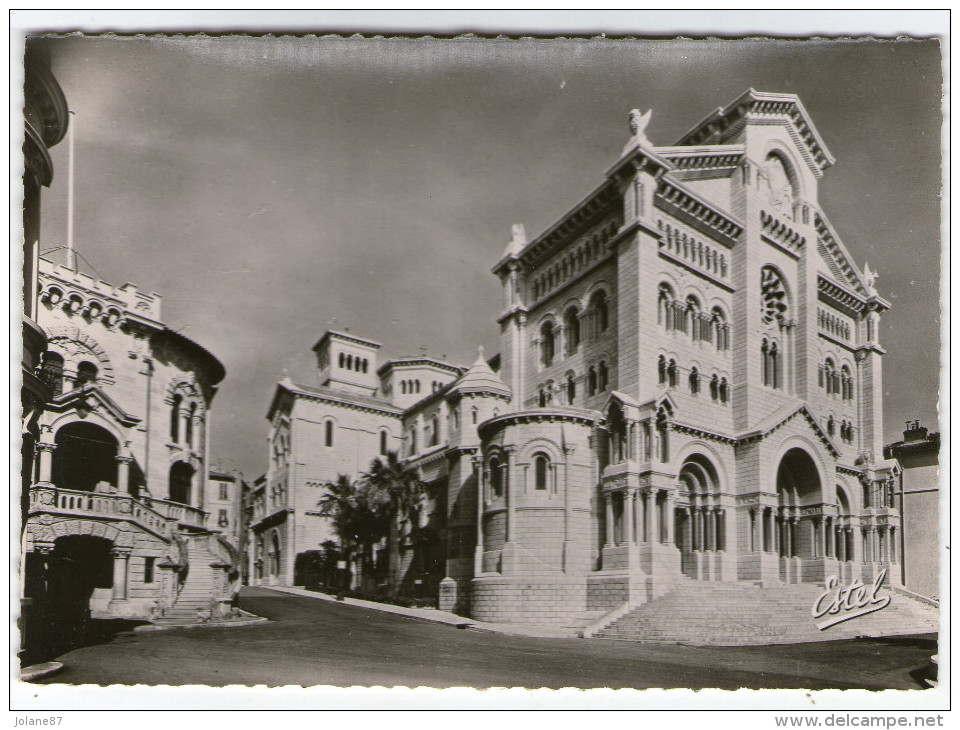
[(400, 491), (359, 517)]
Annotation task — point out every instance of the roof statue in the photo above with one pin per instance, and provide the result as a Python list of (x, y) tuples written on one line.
[(518, 239), (638, 124), (869, 277)]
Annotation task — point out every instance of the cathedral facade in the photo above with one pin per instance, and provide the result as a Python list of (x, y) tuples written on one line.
[(688, 389)]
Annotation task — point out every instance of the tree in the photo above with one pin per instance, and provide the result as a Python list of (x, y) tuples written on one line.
[(359, 517), (399, 490)]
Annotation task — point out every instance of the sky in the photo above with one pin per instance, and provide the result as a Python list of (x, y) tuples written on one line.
[(272, 188)]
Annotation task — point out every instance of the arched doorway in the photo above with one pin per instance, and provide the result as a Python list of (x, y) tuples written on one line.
[(63, 583), (701, 533), (275, 555), (797, 536), (181, 482), (86, 456)]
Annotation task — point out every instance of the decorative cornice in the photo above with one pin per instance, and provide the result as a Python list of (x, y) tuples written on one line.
[(343, 401), (582, 416), (843, 299), (674, 198)]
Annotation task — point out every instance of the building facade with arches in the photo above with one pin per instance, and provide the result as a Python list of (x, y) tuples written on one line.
[(688, 392), (116, 509)]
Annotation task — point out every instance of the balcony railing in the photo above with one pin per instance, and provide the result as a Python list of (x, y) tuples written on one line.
[(157, 515), (181, 513), (96, 504)]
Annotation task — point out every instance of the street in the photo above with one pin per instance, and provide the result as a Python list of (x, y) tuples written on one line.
[(315, 642)]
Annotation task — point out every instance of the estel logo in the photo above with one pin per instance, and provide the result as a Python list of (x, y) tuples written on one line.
[(841, 603)]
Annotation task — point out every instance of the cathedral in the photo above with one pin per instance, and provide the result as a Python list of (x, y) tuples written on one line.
[(687, 396)]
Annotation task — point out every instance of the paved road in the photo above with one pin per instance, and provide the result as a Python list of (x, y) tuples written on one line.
[(310, 642)]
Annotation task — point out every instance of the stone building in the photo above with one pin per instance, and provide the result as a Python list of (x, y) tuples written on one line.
[(918, 500), (687, 395), (224, 505), (118, 500)]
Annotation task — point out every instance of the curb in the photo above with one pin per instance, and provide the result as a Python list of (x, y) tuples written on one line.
[(39, 671)]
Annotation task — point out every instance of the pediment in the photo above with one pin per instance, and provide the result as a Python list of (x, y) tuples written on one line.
[(789, 413), (92, 398)]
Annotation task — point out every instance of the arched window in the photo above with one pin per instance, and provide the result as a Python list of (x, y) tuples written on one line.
[(434, 431), (341, 359), (693, 317), (721, 329), (571, 329), (602, 376), (349, 362), (765, 361), (365, 364), (661, 370), (496, 477), (599, 311), (328, 433), (175, 418), (663, 430), (694, 381), (847, 383), (714, 387), (413, 440), (188, 435), (672, 373), (592, 381), (541, 467), (571, 389), (51, 372), (665, 306), (829, 370), (417, 385), (86, 373), (541, 397), (474, 412), (724, 390), (830, 425), (547, 344), (780, 191)]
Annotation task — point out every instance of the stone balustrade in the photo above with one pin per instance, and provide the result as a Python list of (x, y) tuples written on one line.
[(55, 500), (182, 514)]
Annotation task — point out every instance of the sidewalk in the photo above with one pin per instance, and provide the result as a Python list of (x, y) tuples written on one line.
[(437, 616)]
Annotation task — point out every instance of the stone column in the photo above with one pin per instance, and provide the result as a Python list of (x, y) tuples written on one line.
[(628, 507), (669, 516), (123, 473), (508, 492), (45, 472), (121, 558), (649, 515), (478, 550), (608, 505)]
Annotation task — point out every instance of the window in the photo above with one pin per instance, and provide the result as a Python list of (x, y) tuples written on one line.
[(694, 381), (51, 372), (328, 433), (846, 383), (662, 370), (474, 412), (672, 373), (383, 443), (571, 389), (413, 440), (175, 418), (541, 469), (721, 329), (224, 492), (774, 366), (592, 380), (86, 373), (222, 519), (714, 387), (547, 344), (496, 477), (602, 376), (188, 435), (773, 295), (341, 359), (724, 390), (571, 327), (693, 317), (830, 426), (599, 312), (665, 306), (148, 564), (434, 431)]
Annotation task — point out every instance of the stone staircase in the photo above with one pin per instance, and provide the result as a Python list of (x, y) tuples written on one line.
[(197, 597), (728, 614)]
